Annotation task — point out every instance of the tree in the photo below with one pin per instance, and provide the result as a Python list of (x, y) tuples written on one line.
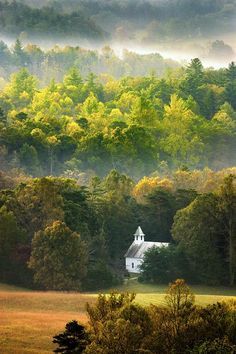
[(210, 247), (73, 85), (180, 137), (21, 88), (58, 258), (174, 326), (29, 159), (194, 75), (163, 265), (20, 56), (158, 214), (201, 241), (117, 325), (73, 340), (178, 297), (47, 205), (231, 85), (147, 185), (227, 206), (73, 78), (11, 239), (52, 142), (118, 185)]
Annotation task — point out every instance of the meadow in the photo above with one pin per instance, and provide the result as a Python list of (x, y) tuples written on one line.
[(29, 319)]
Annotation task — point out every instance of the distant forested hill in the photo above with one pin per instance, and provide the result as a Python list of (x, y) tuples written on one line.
[(16, 17), (149, 19)]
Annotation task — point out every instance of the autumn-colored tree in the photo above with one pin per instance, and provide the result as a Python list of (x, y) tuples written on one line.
[(117, 325), (58, 258)]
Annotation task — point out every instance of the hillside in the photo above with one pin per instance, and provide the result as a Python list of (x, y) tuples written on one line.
[(164, 19), (17, 18)]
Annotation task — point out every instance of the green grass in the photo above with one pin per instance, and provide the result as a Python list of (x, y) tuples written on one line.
[(155, 294), (132, 284), (29, 319)]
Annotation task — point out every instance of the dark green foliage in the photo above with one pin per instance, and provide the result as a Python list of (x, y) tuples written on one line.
[(231, 85), (100, 277), (17, 17), (163, 265), (14, 250), (58, 258), (73, 340), (219, 346), (159, 213), (29, 159), (106, 215), (166, 20), (202, 241), (3, 118), (209, 246)]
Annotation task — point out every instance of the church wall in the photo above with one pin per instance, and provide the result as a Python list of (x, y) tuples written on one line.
[(133, 264)]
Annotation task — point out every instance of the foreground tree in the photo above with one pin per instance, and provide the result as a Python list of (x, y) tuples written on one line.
[(73, 340), (117, 325), (58, 258), (179, 296)]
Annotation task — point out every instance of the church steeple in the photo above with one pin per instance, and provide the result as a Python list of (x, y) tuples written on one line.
[(139, 235)]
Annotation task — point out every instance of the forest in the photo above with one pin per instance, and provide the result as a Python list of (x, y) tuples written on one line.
[(16, 18), (159, 20), (136, 125), (58, 234), (87, 157)]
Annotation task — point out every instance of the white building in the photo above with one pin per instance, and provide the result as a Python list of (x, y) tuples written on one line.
[(134, 255)]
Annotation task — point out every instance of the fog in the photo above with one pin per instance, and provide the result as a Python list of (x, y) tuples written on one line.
[(177, 29)]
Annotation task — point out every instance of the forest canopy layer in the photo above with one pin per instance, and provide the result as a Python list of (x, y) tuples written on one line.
[(167, 19), (137, 125)]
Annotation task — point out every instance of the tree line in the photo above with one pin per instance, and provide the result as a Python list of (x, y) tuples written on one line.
[(160, 20), (54, 63), (17, 18)]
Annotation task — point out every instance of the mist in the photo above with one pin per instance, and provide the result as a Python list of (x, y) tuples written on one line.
[(176, 29)]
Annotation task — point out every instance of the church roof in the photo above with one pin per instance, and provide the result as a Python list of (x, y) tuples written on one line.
[(137, 250), (139, 232)]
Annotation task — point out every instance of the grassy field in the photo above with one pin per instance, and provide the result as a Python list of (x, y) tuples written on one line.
[(29, 319)]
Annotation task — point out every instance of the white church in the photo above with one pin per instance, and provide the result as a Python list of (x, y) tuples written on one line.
[(134, 255)]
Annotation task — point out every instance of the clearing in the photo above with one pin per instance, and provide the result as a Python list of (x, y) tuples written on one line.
[(29, 319)]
